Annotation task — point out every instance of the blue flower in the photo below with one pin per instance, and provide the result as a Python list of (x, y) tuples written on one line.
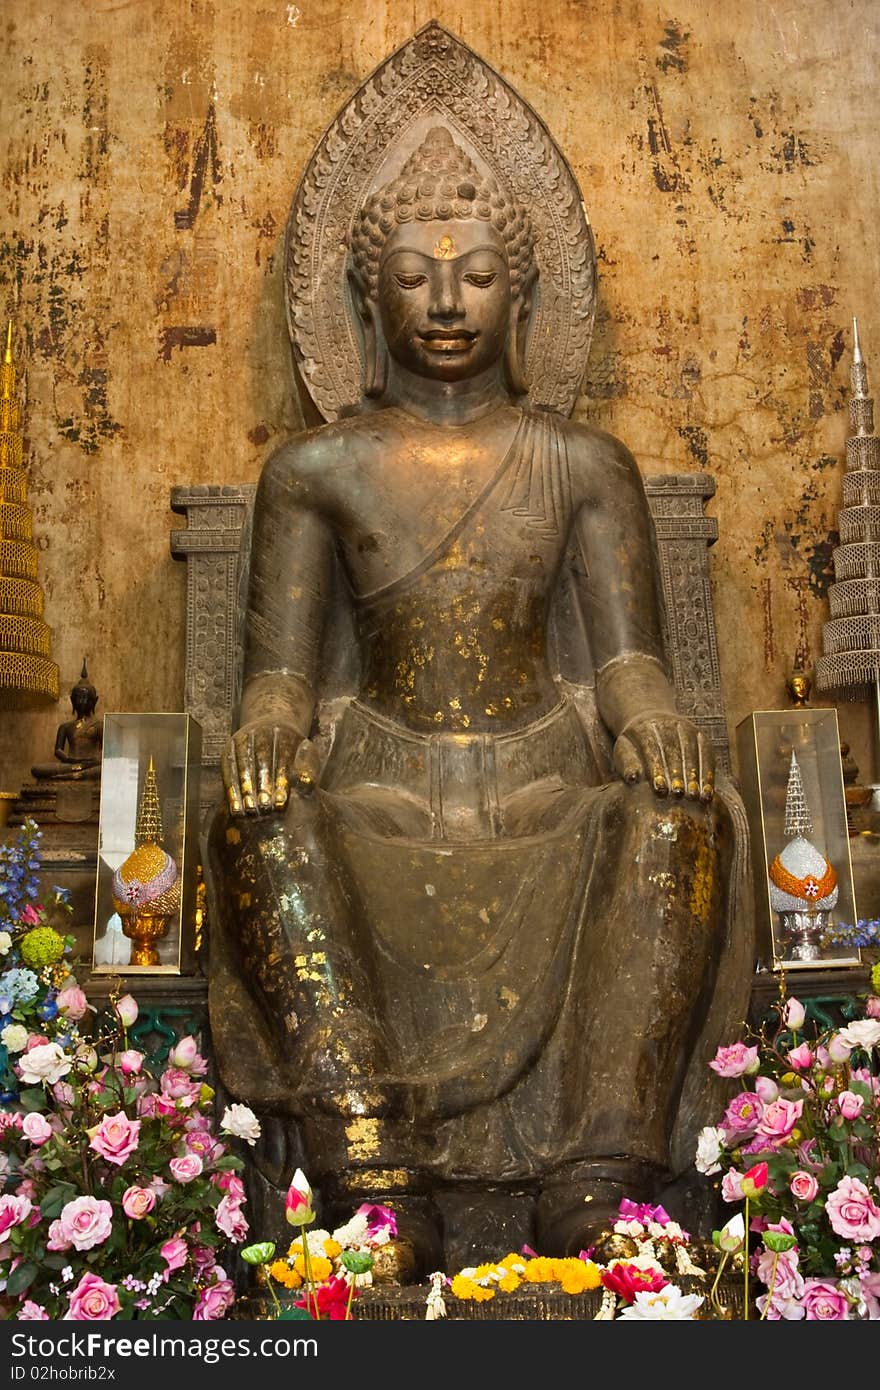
[(48, 1010), (21, 984), (62, 895)]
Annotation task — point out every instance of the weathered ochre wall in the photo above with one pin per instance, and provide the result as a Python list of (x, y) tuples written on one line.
[(727, 156)]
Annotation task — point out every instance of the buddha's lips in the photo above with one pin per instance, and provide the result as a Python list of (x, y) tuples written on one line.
[(448, 340)]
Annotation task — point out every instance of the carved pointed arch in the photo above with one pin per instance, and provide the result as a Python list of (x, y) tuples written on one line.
[(435, 79)]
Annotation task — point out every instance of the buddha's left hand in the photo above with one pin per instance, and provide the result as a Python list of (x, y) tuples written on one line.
[(672, 754)]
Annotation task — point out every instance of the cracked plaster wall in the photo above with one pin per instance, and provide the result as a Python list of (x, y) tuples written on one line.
[(727, 157)]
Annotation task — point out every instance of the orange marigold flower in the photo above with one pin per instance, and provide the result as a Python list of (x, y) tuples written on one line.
[(332, 1248), (282, 1273), (578, 1276)]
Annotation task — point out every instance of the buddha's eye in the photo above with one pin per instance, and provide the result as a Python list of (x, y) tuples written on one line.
[(411, 282), (481, 278)]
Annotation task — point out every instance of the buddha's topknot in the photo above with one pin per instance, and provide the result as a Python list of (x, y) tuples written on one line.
[(439, 182)]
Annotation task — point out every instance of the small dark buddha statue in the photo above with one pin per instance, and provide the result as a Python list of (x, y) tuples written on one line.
[(78, 741), (473, 917)]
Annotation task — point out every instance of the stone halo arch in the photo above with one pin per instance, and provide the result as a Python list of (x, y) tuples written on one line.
[(435, 79)]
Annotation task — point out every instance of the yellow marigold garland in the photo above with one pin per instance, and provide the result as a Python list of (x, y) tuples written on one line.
[(479, 1284)]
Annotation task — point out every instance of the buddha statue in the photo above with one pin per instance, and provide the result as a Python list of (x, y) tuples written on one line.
[(78, 741), (473, 934)]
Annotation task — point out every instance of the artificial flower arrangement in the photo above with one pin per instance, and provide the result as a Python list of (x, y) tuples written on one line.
[(35, 974), (635, 1282), (799, 1146), (117, 1196), (326, 1268), (121, 1199)]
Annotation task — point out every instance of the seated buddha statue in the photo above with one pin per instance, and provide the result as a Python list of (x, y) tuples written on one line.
[(472, 917), (78, 741)]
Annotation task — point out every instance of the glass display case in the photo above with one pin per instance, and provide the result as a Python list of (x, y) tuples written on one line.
[(792, 784), (145, 898)]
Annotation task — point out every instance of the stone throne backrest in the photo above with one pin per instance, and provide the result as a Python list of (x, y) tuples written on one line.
[(209, 544)]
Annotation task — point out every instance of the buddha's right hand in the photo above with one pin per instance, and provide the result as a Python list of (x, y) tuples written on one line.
[(262, 763)]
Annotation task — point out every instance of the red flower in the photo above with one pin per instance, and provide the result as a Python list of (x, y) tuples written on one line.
[(329, 1300), (755, 1180), (628, 1280)]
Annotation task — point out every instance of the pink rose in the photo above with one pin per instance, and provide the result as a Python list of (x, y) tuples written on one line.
[(872, 1006), (86, 1222), (741, 1117), (232, 1185), (159, 1186), (803, 1186), (115, 1138), (138, 1202), (801, 1058), (32, 1312), (151, 1105), (186, 1168), (63, 1094), (231, 1220), (779, 1119), (794, 1014), (203, 1258), (36, 1128), (179, 1085), (174, 1253), (57, 1239), (72, 1002), (850, 1105), (214, 1302), (852, 1212), (14, 1211), (823, 1301), (199, 1141), (731, 1186), (786, 1280), (130, 1062), (736, 1060), (92, 1301)]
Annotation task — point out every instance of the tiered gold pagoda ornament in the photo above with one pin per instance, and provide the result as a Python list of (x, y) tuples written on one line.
[(146, 887), (803, 884), (27, 673)]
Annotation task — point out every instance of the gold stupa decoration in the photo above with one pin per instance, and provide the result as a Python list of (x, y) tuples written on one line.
[(27, 672), (146, 886)]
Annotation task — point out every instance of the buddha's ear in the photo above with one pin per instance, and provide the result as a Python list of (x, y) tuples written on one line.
[(375, 355), (520, 315)]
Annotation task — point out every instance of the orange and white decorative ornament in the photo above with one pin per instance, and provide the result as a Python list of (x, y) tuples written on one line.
[(801, 878)]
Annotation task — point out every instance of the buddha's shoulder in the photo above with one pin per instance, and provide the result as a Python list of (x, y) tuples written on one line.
[(590, 446), (314, 454)]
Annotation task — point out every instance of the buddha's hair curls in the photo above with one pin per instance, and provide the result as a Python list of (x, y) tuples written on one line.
[(439, 182)]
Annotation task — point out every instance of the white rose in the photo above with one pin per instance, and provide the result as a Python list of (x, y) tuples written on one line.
[(47, 1062), (865, 1032), (241, 1121), (14, 1037), (710, 1147), (5, 942)]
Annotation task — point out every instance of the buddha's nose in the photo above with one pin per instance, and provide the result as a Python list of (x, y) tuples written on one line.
[(445, 299)]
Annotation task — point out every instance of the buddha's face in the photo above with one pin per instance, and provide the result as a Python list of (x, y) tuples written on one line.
[(444, 297)]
